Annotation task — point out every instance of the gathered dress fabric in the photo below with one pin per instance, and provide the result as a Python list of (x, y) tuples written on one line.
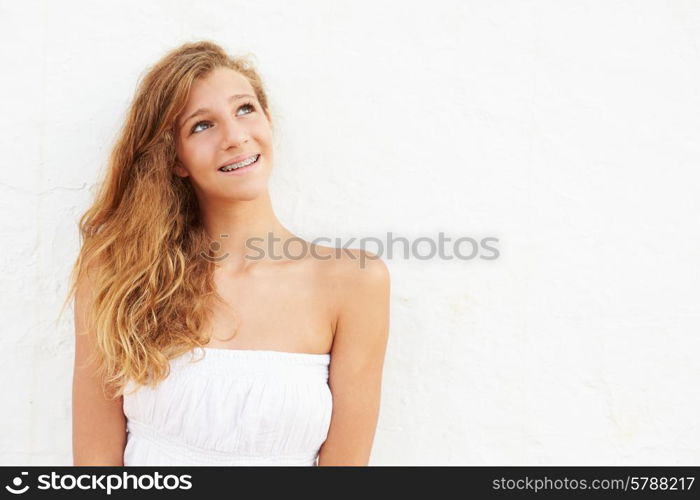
[(231, 407)]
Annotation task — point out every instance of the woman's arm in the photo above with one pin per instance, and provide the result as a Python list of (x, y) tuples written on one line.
[(357, 360), (99, 425)]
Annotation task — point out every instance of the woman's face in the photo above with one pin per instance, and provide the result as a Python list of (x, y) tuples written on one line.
[(222, 121)]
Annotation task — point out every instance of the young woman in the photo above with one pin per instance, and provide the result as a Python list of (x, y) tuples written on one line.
[(206, 332)]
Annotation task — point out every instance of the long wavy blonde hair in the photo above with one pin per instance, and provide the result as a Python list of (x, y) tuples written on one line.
[(142, 238)]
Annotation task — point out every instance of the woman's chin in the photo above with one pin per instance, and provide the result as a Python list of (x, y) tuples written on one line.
[(245, 193)]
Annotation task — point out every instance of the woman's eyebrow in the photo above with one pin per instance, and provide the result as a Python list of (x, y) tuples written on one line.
[(206, 110)]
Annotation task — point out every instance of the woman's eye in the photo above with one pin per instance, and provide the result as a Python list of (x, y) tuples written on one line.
[(196, 125), (194, 129), (247, 105)]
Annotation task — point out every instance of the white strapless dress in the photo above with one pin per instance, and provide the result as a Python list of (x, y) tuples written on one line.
[(232, 407)]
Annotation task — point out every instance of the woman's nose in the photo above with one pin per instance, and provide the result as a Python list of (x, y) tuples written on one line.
[(233, 134)]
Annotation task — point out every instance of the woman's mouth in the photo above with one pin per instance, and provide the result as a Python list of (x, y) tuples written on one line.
[(241, 167)]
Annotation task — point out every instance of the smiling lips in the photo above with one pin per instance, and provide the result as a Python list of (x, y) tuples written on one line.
[(241, 165), (238, 162)]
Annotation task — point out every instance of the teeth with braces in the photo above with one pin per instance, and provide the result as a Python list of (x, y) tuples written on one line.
[(240, 164)]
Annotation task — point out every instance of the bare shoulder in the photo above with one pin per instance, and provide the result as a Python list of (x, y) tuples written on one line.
[(351, 268), (364, 269), (351, 279)]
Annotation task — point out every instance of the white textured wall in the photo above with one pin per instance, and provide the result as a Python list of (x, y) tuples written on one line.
[(569, 130)]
